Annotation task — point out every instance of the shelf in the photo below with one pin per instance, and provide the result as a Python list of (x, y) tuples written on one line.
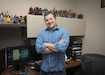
[(76, 27), (12, 25)]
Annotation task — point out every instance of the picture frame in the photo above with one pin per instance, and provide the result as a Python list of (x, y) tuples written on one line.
[(102, 3)]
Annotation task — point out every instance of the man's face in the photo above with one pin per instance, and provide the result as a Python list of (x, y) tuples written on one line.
[(50, 21)]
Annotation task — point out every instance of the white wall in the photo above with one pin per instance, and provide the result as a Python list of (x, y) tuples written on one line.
[(95, 17), (94, 41)]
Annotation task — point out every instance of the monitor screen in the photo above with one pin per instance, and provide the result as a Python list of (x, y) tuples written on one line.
[(17, 55)]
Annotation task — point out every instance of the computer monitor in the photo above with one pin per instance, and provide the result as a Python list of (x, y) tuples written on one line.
[(13, 56)]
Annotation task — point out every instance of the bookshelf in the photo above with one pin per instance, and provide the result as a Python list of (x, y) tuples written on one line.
[(74, 50)]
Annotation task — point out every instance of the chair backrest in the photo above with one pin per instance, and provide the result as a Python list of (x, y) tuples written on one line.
[(93, 64)]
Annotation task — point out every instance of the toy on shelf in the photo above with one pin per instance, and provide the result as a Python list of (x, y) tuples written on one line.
[(8, 19), (45, 10), (35, 10), (80, 16), (31, 11), (5, 18), (1, 18), (22, 20), (59, 13), (15, 19)]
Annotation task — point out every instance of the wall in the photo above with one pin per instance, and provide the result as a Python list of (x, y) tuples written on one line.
[(94, 41)]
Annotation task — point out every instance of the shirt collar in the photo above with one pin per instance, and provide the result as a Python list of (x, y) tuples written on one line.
[(57, 28)]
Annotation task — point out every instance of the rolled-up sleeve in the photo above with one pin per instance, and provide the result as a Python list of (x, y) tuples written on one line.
[(39, 44), (66, 38)]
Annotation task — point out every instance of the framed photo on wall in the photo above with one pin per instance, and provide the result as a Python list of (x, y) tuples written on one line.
[(102, 3)]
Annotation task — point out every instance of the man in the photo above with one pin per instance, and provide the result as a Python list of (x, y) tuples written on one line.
[(52, 43)]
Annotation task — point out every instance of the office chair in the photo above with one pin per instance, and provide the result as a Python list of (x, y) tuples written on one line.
[(93, 64)]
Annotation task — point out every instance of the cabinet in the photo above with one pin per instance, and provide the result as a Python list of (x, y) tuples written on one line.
[(13, 35), (35, 23), (76, 47), (77, 51), (76, 27), (15, 26)]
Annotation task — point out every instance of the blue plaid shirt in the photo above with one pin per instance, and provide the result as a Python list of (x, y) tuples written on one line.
[(55, 61)]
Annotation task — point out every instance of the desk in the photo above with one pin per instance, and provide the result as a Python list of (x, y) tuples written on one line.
[(73, 64), (74, 67), (69, 65)]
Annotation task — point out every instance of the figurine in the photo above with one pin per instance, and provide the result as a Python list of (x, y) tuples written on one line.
[(36, 10), (8, 19), (31, 11), (45, 10), (1, 18), (21, 19), (40, 11), (15, 19), (80, 16)]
